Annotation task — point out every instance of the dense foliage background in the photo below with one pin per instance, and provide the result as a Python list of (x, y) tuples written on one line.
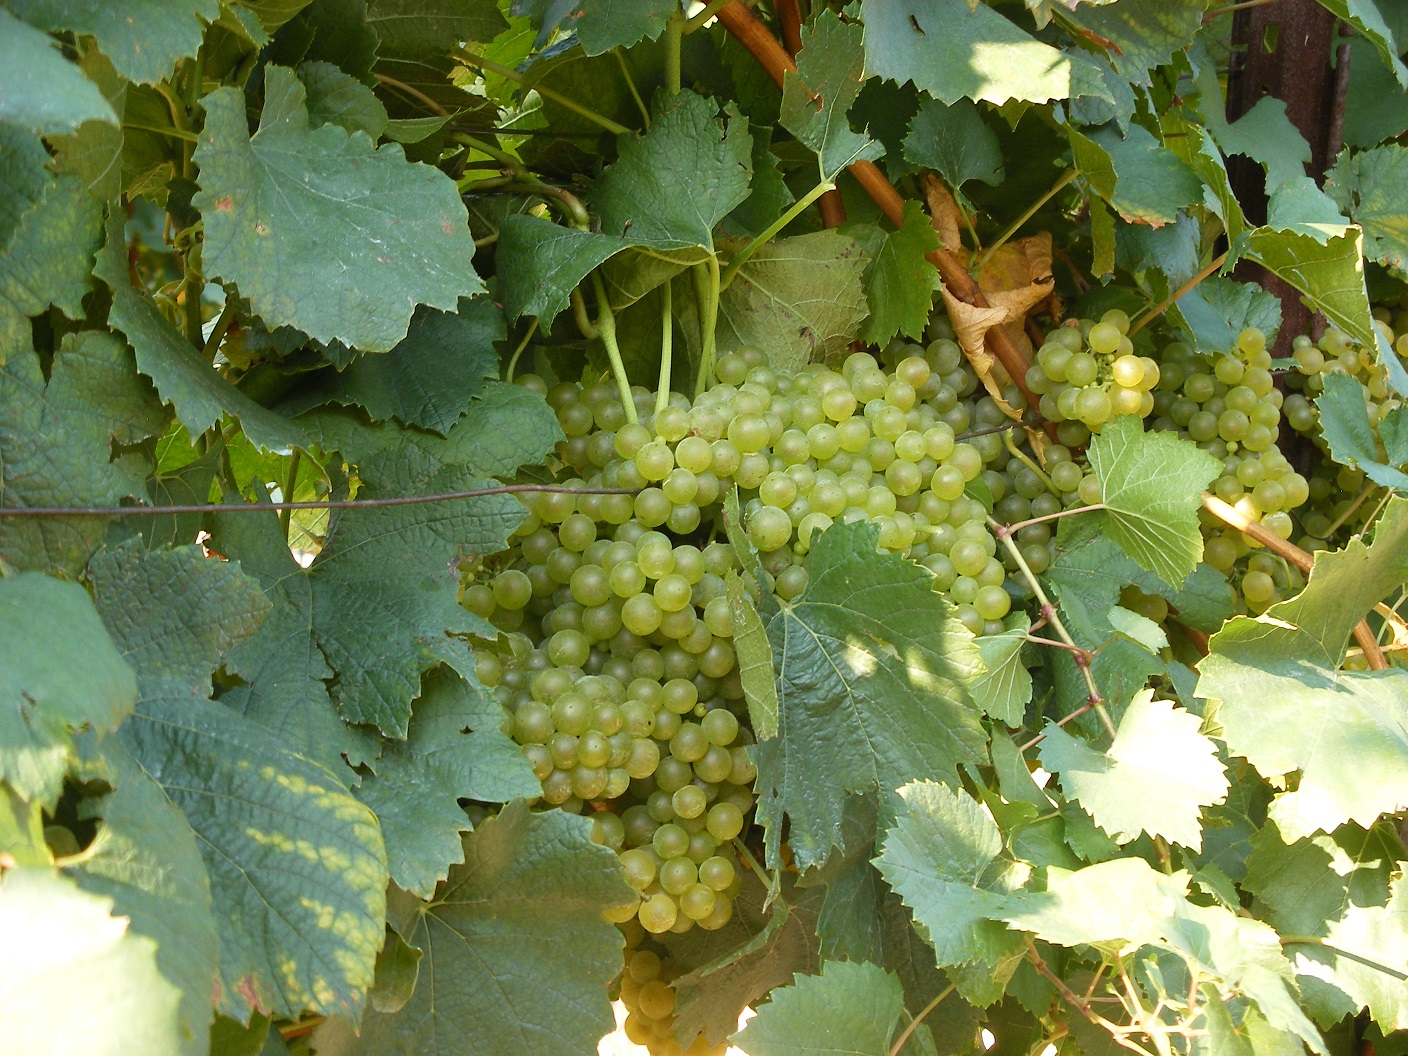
[(872, 558)]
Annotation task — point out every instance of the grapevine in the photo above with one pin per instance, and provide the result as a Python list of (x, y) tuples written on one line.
[(703, 528)]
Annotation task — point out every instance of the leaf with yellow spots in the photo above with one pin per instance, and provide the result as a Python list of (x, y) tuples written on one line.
[(296, 865)]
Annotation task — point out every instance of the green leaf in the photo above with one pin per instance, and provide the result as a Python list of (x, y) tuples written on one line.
[(871, 670), (755, 664), (1368, 20), (379, 603), (955, 141), (818, 94), (146, 859), (453, 751), (1141, 179), (1365, 956), (74, 978), (339, 98), (899, 282), (94, 152), (415, 38), (143, 38), (540, 263), (1376, 105), (429, 379), (1328, 269), (1156, 777), (1344, 423), (850, 1008), (609, 24), (56, 446), (1005, 688), (1285, 707), (494, 977), (1152, 485), (942, 857), (24, 178), (953, 50), (799, 299), (29, 58), (760, 948), (50, 252), (195, 390), (296, 864), (1124, 903), (1366, 185), (1218, 309), (1139, 34), (671, 186), (321, 231), (59, 672)]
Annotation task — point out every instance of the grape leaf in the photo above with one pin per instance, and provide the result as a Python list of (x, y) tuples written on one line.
[(428, 380), (63, 946), (1344, 422), (283, 669), (671, 186), (24, 178), (56, 446), (1286, 708), (1005, 688), (295, 863), (339, 98), (728, 970), (540, 263), (610, 24), (196, 391), (1139, 34), (143, 38), (1125, 903), (899, 282), (818, 93), (799, 299), (1218, 309), (953, 50), (386, 575), (51, 252), (60, 672), (1364, 185), (755, 662), (871, 672), (1151, 485), (453, 750), (146, 859), (955, 141), (1141, 179), (28, 58), (1376, 105), (289, 214), (1368, 20), (94, 152), (1156, 777), (414, 40), (494, 978), (851, 1008), (1328, 269), (941, 856)]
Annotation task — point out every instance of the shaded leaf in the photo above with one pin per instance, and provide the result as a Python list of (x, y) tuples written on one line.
[(850, 1008), (143, 38), (1141, 179), (899, 281), (28, 58), (818, 94), (956, 142), (1139, 34), (1368, 186)]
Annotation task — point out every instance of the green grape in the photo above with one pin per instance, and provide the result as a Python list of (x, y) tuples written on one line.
[(720, 727), (716, 873), (689, 743), (689, 801), (512, 589), (641, 615), (769, 528), (589, 585), (657, 914), (698, 902)]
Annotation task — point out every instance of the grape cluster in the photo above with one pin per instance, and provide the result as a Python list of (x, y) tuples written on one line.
[(1087, 372)]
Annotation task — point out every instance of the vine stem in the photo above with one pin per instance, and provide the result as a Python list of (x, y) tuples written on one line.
[(1019, 525), (667, 342), (1369, 489), (631, 84), (414, 93), (706, 292), (290, 485), (322, 504), (218, 332), (1159, 309), (472, 59), (674, 46), (1041, 474), (1048, 611), (1230, 515), (758, 41), (518, 351), (702, 17), (1217, 12), (606, 330), (914, 1023), (1016, 225), (1087, 706), (770, 232)]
